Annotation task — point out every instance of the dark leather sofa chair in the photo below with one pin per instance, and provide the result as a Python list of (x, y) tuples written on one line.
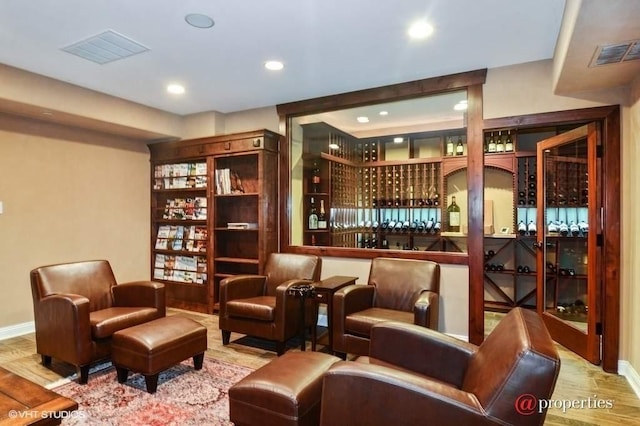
[(258, 305), (398, 290), (78, 306), (418, 376)]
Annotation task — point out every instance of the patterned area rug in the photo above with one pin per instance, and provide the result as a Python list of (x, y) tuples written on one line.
[(184, 397)]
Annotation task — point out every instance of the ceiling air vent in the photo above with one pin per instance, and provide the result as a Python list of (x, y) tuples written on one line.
[(106, 47), (616, 53)]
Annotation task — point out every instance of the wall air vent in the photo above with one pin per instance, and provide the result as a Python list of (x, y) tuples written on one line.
[(616, 53), (106, 47)]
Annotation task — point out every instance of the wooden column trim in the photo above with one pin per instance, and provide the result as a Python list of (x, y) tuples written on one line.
[(475, 240)]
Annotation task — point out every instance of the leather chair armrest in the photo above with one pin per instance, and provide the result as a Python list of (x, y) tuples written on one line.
[(62, 325), (425, 351), (287, 307), (240, 287), (425, 310), (352, 298), (141, 293), (347, 398)]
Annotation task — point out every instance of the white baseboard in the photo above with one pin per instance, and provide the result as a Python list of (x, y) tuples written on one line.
[(17, 330), (626, 369)]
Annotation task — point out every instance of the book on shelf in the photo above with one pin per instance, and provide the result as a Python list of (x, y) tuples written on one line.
[(238, 225), (180, 176)]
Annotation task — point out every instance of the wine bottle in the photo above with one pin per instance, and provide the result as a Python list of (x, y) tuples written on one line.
[(449, 147), (313, 216), (492, 144), (454, 215), (500, 143), (508, 146), (315, 178), (459, 147), (322, 219), (522, 228)]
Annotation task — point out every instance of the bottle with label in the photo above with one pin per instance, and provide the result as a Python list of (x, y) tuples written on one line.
[(454, 215), (459, 147), (322, 218), (499, 143), (449, 147), (313, 216), (492, 144), (315, 178), (508, 146)]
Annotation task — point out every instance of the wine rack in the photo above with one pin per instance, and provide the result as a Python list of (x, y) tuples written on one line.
[(380, 194)]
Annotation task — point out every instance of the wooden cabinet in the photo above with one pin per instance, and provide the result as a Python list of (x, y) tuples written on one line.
[(214, 213)]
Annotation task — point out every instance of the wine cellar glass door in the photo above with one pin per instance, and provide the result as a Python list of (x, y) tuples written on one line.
[(568, 281)]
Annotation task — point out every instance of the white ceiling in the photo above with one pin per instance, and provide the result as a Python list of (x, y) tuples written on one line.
[(328, 46)]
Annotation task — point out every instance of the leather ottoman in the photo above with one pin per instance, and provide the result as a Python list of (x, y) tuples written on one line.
[(154, 346), (287, 391)]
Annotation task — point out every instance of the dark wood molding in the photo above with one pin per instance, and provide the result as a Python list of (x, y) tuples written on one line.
[(475, 239), (394, 92)]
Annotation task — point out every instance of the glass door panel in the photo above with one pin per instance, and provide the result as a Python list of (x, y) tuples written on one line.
[(568, 282)]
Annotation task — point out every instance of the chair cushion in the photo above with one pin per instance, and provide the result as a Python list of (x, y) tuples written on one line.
[(360, 323), (105, 322), (261, 308)]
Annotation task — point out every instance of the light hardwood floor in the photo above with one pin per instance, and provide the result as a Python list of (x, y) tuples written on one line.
[(579, 380)]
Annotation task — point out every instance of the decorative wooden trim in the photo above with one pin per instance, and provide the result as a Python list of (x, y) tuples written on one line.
[(394, 92)]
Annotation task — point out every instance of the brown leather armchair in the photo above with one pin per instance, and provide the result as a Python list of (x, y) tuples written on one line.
[(398, 290), (78, 306), (258, 305), (416, 376)]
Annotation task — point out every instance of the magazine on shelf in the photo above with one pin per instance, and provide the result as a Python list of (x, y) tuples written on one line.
[(158, 274), (186, 263), (160, 260)]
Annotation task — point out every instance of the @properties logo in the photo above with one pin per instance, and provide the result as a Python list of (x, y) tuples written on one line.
[(526, 404)]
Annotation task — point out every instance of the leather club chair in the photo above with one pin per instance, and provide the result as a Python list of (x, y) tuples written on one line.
[(258, 305), (398, 290), (414, 375), (78, 306)]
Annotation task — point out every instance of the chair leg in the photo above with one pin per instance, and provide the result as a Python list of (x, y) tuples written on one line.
[(280, 348), (340, 355), (83, 374), (226, 336), (46, 360), (197, 361)]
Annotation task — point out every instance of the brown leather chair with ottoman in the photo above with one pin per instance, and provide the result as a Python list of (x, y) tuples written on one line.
[(415, 375), (285, 392), (78, 306), (259, 306), (154, 346), (402, 290)]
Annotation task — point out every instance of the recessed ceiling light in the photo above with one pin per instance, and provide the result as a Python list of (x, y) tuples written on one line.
[(384, 113), (420, 30), (363, 119), (398, 140), (199, 20), (273, 65), (176, 89)]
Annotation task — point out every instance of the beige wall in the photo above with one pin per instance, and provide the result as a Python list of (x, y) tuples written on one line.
[(630, 314), (68, 195)]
